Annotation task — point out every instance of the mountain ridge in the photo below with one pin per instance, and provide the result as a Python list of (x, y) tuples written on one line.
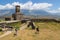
[(29, 12)]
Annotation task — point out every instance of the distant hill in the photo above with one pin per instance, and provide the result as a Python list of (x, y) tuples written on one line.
[(39, 13)]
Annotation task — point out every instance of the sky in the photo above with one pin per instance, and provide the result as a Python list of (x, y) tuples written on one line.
[(52, 6)]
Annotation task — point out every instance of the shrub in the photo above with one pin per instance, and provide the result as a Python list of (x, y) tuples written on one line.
[(0, 29), (17, 27)]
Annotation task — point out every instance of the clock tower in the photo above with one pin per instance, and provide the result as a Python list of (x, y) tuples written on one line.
[(17, 8), (18, 15)]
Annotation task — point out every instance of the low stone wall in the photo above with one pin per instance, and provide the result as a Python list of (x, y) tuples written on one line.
[(45, 20)]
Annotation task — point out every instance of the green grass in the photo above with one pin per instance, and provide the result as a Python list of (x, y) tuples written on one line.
[(1, 20), (48, 25), (17, 24), (48, 31), (1, 33)]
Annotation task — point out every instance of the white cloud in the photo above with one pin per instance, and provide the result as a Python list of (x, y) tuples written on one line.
[(27, 5), (15, 3), (8, 6), (41, 5), (54, 11), (31, 6), (58, 8)]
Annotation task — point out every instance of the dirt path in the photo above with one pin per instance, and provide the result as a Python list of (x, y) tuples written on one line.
[(8, 32), (23, 26)]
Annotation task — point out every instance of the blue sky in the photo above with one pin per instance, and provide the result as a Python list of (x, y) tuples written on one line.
[(50, 5), (55, 2)]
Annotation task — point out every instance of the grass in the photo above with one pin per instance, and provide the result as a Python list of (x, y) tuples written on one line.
[(1, 33), (48, 25), (44, 34), (1, 20), (17, 24), (48, 31)]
